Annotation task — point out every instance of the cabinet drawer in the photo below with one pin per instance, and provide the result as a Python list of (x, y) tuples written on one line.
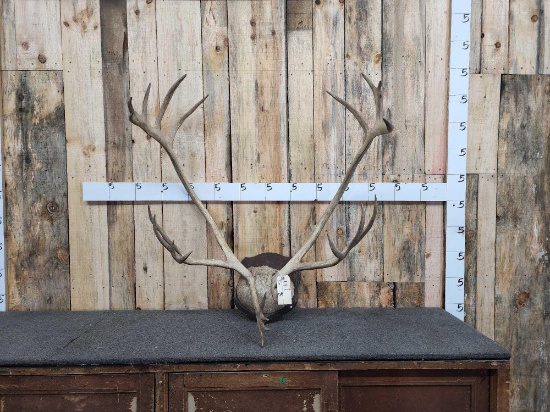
[(254, 391), (83, 393)]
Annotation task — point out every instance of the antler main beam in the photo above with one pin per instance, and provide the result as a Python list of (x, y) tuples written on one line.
[(166, 141), (380, 127)]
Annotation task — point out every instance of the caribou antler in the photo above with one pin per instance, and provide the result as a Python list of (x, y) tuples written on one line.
[(380, 127), (165, 140)]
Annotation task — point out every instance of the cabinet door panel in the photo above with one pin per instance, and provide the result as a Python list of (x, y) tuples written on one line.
[(254, 391), (83, 393), (421, 393)]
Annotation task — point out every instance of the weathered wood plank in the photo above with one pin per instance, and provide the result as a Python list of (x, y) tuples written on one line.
[(257, 72), (329, 121), (475, 36), (525, 37), (8, 44), (355, 294), (363, 54), (38, 35), (217, 140), (185, 287), (470, 261), (545, 63), (85, 132), (495, 36), (35, 171), (403, 70), (409, 294), (301, 161), (299, 15), (438, 32), (484, 102), (435, 249), (120, 217), (485, 279), (142, 55), (522, 293), (404, 238)]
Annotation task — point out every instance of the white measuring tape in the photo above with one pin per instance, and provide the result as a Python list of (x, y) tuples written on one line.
[(459, 79), (453, 192), (3, 281)]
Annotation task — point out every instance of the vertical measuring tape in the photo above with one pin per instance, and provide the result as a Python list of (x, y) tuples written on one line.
[(2, 248), (459, 79)]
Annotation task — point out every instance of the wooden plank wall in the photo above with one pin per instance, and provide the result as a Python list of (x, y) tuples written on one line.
[(68, 66)]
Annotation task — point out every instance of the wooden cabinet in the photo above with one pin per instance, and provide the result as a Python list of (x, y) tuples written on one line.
[(309, 387), (315, 360)]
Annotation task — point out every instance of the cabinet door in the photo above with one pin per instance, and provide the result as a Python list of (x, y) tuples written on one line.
[(254, 391), (415, 391), (83, 393)]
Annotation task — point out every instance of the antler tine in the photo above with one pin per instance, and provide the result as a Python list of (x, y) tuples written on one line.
[(185, 116), (163, 238), (362, 230), (380, 127), (377, 93), (167, 99), (145, 102)]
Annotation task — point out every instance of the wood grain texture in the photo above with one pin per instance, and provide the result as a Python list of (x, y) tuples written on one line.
[(257, 72), (409, 294), (404, 74), (329, 122), (142, 55), (363, 54), (495, 37), (438, 36), (526, 37), (36, 217), (185, 287), (470, 260), (356, 294), (485, 279), (522, 292), (85, 133), (545, 49), (476, 36), (38, 35), (435, 250), (484, 103), (8, 44), (301, 145), (116, 79), (217, 140)]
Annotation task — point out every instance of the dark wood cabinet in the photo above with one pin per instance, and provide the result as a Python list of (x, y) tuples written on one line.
[(189, 361)]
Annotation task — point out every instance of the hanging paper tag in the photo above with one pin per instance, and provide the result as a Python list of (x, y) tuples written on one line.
[(284, 293)]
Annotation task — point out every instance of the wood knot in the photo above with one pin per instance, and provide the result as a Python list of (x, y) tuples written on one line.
[(253, 22), (377, 58), (498, 45), (66, 24), (339, 231), (317, 2), (149, 1), (136, 11), (52, 208), (522, 299), (534, 18), (25, 45), (42, 58)]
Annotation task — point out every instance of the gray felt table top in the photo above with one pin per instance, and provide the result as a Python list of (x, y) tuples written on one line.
[(158, 337)]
